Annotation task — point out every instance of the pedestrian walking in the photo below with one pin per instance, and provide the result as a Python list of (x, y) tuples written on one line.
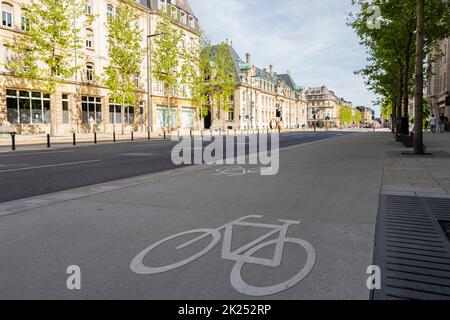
[(442, 123), (91, 124), (433, 124)]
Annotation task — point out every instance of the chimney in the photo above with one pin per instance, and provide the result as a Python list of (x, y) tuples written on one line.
[(271, 70), (264, 71), (248, 58)]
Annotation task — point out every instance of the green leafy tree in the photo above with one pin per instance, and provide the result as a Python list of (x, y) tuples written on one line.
[(391, 44), (44, 55), (357, 118), (167, 56), (126, 54), (345, 115), (222, 78), (196, 71)]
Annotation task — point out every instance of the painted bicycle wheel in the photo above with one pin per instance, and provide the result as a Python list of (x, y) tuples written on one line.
[(241, 286), (138, 266)]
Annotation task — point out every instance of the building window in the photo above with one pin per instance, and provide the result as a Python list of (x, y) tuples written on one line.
[(7, 14), (141, 113), (65, 109), (191, 22), (88, 8), (26, 107), (89, 72), (25, 25), (115, 113), (109, 11), (136, 80), (91, 107), (89, 39), (231, 114), (167, 118)]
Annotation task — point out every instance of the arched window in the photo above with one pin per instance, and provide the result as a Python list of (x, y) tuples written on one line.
[(7, 14), (90, 71)]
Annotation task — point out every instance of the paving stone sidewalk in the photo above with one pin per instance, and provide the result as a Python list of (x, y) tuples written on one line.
[(426, 176)]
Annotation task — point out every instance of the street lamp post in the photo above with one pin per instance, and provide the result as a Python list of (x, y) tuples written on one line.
[(251, 102), (149, 80)]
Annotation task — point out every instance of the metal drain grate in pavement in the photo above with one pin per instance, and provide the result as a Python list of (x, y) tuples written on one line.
[(412, 248)]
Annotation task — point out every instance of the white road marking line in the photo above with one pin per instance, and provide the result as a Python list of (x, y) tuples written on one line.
[(33, 153), (50, 166)]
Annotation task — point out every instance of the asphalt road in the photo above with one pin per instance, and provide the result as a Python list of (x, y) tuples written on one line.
[(131, 241), (36, 172)]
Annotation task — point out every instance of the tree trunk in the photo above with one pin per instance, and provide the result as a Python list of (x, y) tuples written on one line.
[(405, 113), (418, 127), (398, 107)]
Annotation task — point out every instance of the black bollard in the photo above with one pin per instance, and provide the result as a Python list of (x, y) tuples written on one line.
[(74, 139), (48, 141), (148, 135), (95, 137), (13, 141), (132, 136)]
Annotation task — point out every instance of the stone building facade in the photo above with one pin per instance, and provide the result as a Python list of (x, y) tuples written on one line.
[(324, 106), (28, 109), (261, 96), (438, 89)]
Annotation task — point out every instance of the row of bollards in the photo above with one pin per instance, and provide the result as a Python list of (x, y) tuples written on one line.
[(74, 139), (191, 133)]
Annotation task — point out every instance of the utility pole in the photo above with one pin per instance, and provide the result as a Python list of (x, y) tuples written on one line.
[(150, 75)]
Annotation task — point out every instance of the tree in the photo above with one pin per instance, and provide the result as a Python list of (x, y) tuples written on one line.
[(345, 115), (167, 56), (196, 71), (357, 118), (211, 76), (126, 54), (391, 46), (418, 124), (222, 78), (45, 54)]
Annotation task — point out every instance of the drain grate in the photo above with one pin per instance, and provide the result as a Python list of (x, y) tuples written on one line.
[(412, 248), (446, 227)]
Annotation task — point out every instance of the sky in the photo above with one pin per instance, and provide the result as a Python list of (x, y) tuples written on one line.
[(308, 38)]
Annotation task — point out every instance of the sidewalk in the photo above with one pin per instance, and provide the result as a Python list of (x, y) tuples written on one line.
[(427, 176), (331, 186), (412, 247)]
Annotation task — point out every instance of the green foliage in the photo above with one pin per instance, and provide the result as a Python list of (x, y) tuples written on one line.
[(44, 54), (386, 109), (391, 48), (222, 79), (346, 115), (167, 57), (126, 54), (196, 71), (357, 118)]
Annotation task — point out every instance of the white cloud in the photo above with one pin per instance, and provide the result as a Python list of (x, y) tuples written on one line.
[(307, 37)]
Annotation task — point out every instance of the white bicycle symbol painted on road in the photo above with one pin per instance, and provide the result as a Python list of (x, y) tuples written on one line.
[(238, 171), (242, 255)]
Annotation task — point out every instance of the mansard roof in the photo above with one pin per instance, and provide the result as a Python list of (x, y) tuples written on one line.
[(181, 4)]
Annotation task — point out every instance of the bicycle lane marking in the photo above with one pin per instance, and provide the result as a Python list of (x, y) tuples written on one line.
[(137, 265)]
